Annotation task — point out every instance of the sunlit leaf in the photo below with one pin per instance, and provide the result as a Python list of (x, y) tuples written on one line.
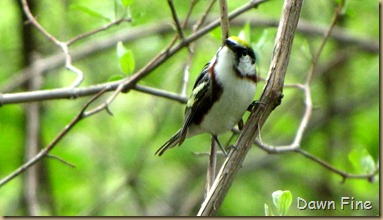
[(362, 160), (121, 49), (268, 211), (282, 200), (126, 58), (127, 62)]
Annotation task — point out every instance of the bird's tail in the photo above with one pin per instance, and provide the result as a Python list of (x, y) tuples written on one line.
[(173, 141)]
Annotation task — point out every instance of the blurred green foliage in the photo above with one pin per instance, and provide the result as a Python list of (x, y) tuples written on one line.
[(116, 172)]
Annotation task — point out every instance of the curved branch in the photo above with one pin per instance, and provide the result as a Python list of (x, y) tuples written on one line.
[(123, 85), (55, 60), (128, 83), (344, 175), (44, 152)]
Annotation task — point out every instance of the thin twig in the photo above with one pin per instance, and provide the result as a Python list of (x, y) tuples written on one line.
[(270, 97), (63, 46), (129, 82), (31, 18), (192, 45), (343, 174), (81, 115), (297, 149), (61, 160), (123, 85), (175, 19), (306, 87), (191, 51), (92, 32), (324, 41), (224, 20), (55, 60)]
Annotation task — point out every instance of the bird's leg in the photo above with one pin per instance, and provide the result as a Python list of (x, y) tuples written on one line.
[(253, 104), (220, 145), (240, 124)]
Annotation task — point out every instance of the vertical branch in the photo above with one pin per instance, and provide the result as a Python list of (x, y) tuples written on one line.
[(31, 181), (271, 97), (211, 166), (307, 89), (224, 20), (192, 45), (32, 118)]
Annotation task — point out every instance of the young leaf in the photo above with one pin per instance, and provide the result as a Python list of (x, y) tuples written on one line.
[(127, 62), (121, 49), (362, 160), (282, 200), (268, 211), (126, 58), (89, 11)]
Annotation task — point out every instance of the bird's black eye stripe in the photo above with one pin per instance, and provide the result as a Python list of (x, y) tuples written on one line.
[(240, 50)]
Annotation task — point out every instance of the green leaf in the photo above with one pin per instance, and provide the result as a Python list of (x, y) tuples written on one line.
[(89, 11), (268, 211), (127, 62), (282, 200), (362, 160), (126, 58), (121, 49)]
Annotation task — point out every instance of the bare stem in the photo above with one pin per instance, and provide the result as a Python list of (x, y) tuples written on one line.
[(270, 97), (175, 19), (43, 153), (224, 20)]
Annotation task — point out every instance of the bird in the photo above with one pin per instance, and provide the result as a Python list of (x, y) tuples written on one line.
[(223, 91)]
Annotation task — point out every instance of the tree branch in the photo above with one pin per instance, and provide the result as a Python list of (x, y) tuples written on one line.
[(224, 20), (72, 93), (55, 60), (176, 21), (63, 46), (122, 85), (271, 98), (44, 152)]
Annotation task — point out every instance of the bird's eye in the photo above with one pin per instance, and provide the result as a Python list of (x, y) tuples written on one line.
[(244, 53)]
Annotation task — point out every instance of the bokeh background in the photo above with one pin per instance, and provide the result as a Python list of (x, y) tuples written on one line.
[(116, 171)]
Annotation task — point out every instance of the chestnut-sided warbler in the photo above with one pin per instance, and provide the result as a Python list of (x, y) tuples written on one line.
[(221, 95)]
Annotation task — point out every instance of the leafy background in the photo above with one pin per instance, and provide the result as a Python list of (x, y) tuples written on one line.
[(116, 172)]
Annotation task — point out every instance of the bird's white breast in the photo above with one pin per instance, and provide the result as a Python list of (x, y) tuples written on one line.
[(236, 97)]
